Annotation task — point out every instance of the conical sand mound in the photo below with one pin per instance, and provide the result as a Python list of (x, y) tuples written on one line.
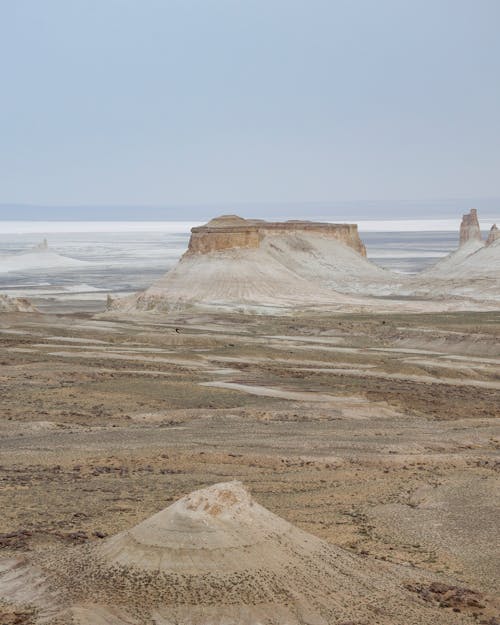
[(207, 531), (216, 557)]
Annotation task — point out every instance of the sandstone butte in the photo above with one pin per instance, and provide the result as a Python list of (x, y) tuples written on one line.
[(493, 235), (469, 228), (231, 231)]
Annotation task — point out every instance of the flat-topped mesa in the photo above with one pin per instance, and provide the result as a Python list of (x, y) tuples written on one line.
[(233, 232), (493, 235), (469, 228)]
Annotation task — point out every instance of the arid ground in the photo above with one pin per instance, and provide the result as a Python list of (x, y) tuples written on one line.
[(378, 433)]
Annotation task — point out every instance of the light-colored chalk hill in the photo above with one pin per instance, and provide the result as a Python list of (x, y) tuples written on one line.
[(236, 279), (472, 271), (296, 269), (216, 557), (236, 264), (331, 263), (39, 257), (469, 261)]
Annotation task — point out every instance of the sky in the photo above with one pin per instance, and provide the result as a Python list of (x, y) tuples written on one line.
[(245, 102)]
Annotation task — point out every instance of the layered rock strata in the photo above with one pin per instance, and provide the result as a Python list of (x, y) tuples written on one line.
[(493, 235), (469, 228), (233, 232), (256, 266)]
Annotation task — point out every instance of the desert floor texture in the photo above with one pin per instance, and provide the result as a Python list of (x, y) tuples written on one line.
[(377, 433)]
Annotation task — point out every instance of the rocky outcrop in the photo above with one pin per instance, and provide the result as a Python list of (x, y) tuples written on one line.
[(15, 304), (224, 233), (471, 271), (230, 231), (469, 228), (260, 267), (493, 235)]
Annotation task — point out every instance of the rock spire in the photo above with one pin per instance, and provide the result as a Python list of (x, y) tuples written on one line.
[(469, 228), (493, 235)]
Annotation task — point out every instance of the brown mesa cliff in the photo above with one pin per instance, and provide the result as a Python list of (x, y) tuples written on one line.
[(231, 231)]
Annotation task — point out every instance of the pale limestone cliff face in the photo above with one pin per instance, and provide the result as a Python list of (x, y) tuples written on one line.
[(493, 235), (231, 231), (469, 228), (223, 233)]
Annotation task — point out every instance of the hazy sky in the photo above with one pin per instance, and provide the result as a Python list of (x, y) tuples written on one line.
[(204, 101)]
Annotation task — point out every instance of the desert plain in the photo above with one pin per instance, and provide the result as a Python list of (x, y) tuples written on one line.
[(376, 432)]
